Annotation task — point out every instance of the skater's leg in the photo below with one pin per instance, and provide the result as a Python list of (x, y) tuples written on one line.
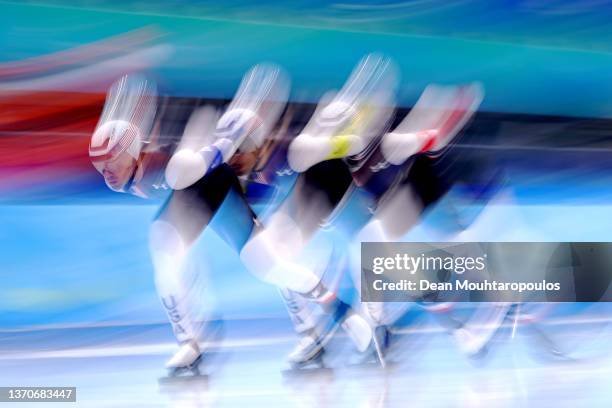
[(302, 316), (266, 261), (272, 254), (395, 215), (305, 323), (174, 230), (169, 252)]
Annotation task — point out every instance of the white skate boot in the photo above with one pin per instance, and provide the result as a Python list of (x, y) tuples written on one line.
[(308, 350), (187, 358), (469, 344), (358, 329), (476, 334), (311, 346)]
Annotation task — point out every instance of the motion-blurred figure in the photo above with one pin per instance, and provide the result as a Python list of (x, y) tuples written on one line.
[(394, 173), (343, 124), (132, 151)]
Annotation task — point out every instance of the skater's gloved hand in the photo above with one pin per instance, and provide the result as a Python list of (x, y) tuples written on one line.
[(398, 147), (187, 166), (305, 151), (308, 149), (240, 129), (350, 140)]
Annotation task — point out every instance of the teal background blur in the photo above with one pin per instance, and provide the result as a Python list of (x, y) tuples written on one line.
[(548, 57)]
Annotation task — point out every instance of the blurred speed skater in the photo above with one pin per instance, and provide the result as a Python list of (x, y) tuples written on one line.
[(133, 149), (343, 123)]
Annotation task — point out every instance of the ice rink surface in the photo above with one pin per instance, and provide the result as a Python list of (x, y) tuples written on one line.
[(123, 366), (562, 361)]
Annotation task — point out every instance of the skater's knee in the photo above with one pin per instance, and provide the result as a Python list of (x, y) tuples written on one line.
[(258, 256), (165, 239)]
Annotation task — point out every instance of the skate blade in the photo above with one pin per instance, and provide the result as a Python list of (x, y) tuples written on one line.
[(372, 363), (548, 345), (379, 351), (183, 382), (308, 372)]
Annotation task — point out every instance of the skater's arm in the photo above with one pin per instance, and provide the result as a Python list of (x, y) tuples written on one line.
[(253, 112), (188, 165)]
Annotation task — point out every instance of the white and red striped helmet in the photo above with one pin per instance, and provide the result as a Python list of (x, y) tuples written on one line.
[(126, 121), (113, 138)]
